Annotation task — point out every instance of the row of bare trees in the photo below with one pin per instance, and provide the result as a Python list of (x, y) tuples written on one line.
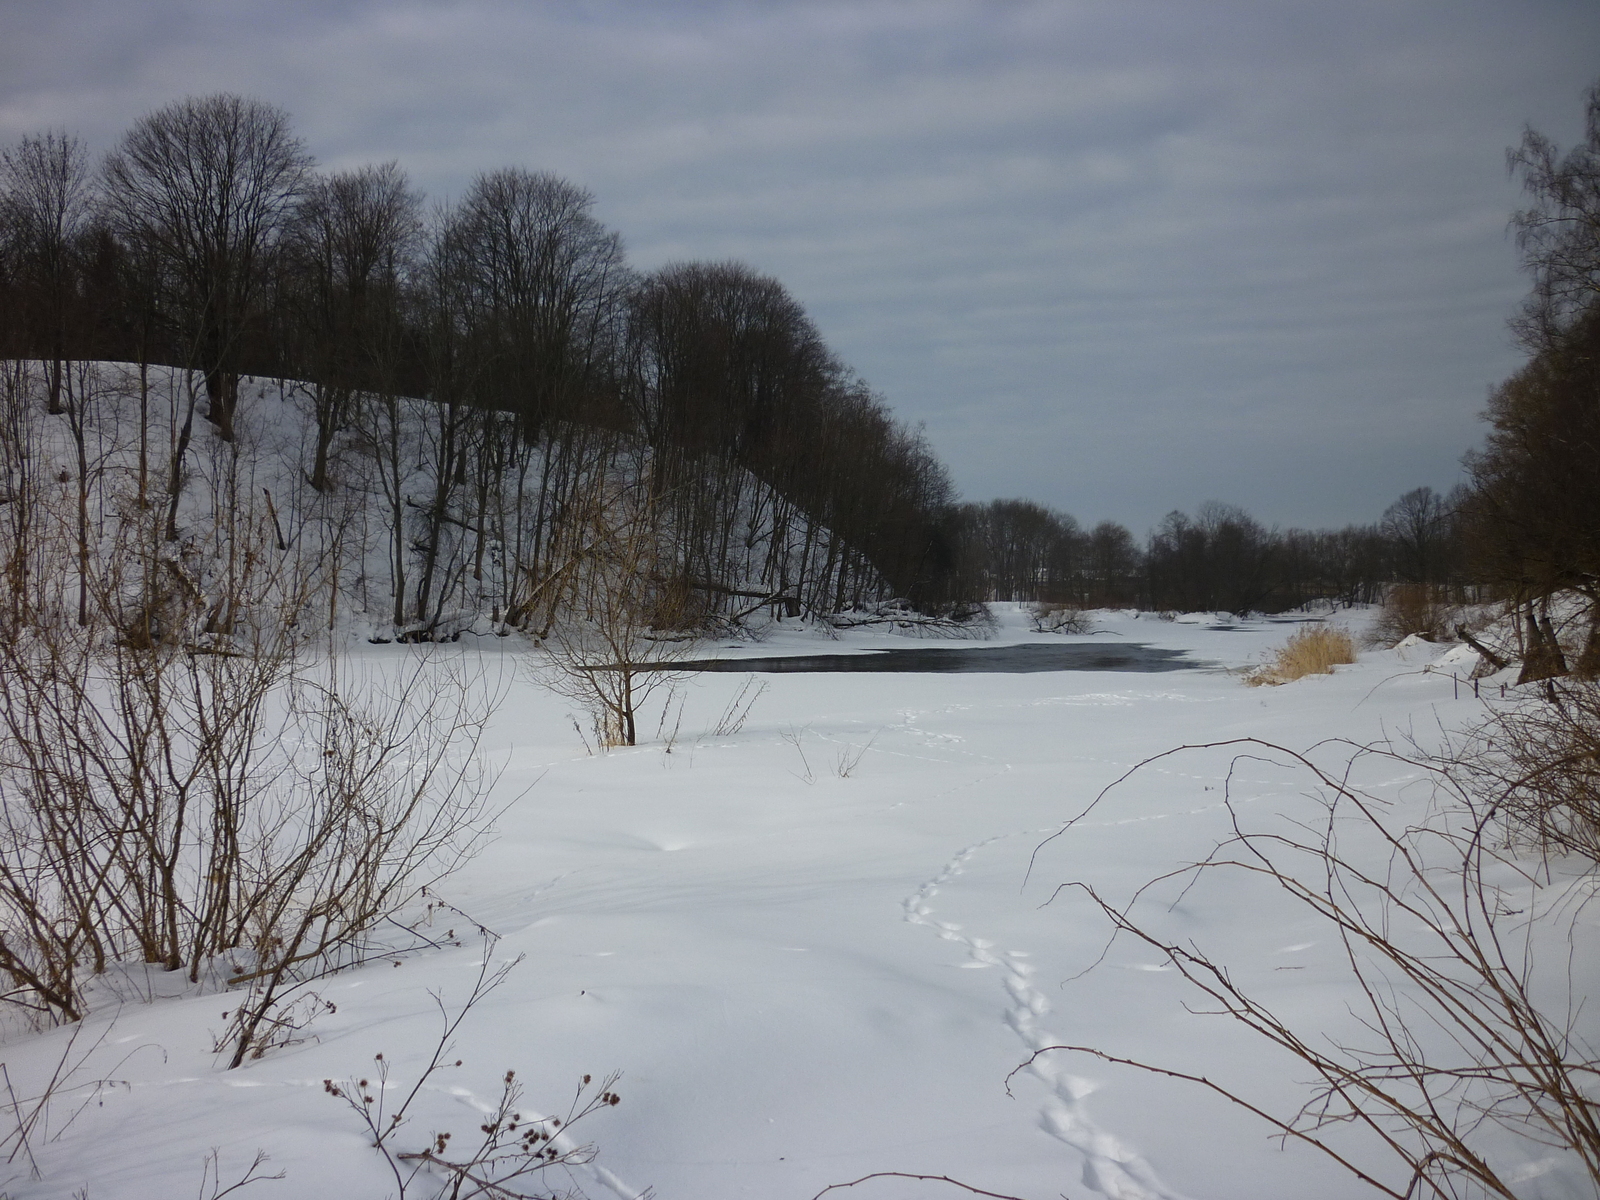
[(1220, 559), (1535, 489), (207, 241)]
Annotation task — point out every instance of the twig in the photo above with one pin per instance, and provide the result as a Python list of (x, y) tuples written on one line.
[(976, 1191)]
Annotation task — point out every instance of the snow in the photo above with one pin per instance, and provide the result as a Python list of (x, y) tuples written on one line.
[(807, 973)]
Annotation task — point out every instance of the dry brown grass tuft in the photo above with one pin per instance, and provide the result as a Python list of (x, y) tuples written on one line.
[(1315, 650)]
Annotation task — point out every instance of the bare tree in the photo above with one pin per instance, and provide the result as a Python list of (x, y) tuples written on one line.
[(23, 460), (1559, 233), (358, 236), (626, 621), (1113, 565), (48, 199), (208, 185), (1418, 526), (543, 284)]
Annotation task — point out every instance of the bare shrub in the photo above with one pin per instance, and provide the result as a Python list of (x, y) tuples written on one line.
[(1053, 618), (626, 625), (389, 801), (1314, 650), (1454, 1056), (223, 813), (849, 757), (178, 787), (796, 738), (1540, 762), (212, 1186), (1415, 608)]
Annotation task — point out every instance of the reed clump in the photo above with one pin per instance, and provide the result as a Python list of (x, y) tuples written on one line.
[(1315, 650)]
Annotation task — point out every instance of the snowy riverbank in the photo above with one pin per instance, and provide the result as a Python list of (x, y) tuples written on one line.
[(813, 946)]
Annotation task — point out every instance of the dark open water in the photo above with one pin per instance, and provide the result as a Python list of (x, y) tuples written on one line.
[(1013, 660)]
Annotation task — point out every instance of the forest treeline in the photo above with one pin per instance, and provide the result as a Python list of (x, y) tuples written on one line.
[(207, 241), (1219, 559)]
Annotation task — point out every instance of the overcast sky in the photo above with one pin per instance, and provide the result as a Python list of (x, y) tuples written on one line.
[(1119, 257)]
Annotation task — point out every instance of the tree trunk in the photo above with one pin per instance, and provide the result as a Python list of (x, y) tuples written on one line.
[(1542, 658), (222, 394), (1588, 666)]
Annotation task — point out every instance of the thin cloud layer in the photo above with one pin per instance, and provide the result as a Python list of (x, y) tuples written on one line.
[(1119, 257)]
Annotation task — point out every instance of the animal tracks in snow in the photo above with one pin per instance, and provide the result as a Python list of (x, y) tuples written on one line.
[(1110, 1167)]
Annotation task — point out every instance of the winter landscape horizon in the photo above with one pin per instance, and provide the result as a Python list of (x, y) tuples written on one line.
[(798, 600)]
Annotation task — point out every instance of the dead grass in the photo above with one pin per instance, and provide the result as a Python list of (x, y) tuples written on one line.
[(1315, 650)]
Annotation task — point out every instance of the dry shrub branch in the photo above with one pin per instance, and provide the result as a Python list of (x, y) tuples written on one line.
[(180, 787), (1540, 761), (1423, 609), (1465, 1046), (629, 619)]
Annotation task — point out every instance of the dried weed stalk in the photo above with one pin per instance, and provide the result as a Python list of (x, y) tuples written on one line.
[(515, 1153), (1462, 1044)]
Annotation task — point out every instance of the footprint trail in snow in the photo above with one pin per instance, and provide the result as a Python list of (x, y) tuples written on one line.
[(1110, 1167)]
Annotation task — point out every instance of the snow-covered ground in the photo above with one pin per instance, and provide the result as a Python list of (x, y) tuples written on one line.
[(813, 947)]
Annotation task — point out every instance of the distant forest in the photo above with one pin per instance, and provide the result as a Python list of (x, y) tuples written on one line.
[(1220, 559), (207, 241)]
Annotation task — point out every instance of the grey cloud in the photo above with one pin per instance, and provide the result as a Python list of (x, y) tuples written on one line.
[(1120, 257)]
